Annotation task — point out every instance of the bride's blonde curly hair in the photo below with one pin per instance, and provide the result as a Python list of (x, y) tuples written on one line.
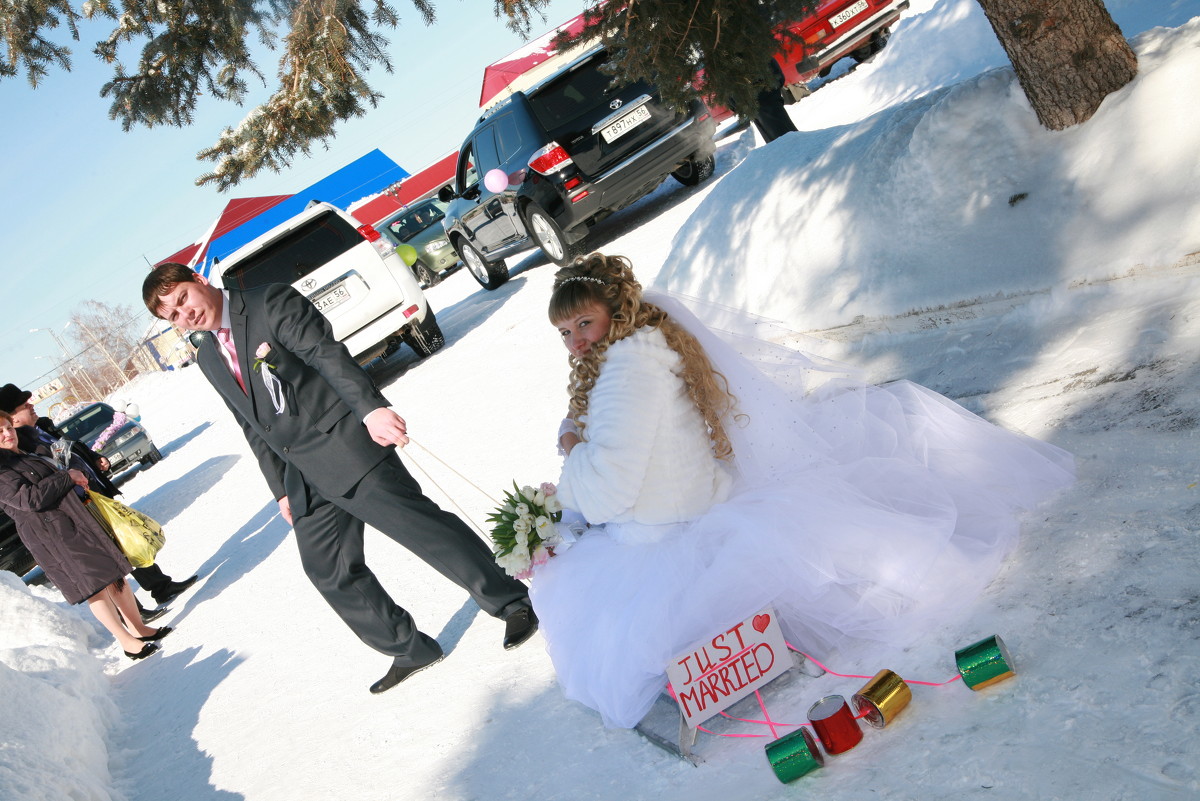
[(609, 282)]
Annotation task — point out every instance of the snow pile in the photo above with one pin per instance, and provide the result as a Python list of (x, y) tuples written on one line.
[(953, 196), (54, 700)]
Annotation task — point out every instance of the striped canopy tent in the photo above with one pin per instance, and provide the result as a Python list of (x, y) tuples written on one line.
[(527, 65), (236, 212)]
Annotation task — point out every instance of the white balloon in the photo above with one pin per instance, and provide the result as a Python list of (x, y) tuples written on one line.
[(495, 180)]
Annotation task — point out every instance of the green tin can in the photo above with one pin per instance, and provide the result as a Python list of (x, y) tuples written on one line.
[(984, 663), (794, 755)]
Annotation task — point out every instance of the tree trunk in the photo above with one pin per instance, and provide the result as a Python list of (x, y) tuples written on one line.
[(1068, 55)]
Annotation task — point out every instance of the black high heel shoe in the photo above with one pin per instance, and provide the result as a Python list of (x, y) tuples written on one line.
[(163, 631), (147, 649)]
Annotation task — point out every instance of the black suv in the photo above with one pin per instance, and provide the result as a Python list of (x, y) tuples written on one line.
[(574, 148)]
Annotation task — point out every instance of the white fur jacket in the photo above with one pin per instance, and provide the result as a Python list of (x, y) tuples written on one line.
[(646, 456)]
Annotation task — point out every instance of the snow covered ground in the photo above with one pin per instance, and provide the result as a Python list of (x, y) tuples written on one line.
[(920, 225)]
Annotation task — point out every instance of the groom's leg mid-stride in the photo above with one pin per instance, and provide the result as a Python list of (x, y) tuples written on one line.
[(330, 537)]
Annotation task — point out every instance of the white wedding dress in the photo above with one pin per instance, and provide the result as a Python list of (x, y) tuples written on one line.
[(857, 511)]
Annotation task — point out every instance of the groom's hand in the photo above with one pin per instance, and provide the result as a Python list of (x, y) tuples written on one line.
[(386, 427), (285, 509)]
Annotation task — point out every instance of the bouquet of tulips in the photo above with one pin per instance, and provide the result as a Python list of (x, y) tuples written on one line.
[(524, 529)]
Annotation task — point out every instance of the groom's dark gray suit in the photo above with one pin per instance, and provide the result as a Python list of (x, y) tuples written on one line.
[(319, 454)]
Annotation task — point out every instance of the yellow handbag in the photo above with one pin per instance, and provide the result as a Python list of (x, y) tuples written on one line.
[(139, 536)]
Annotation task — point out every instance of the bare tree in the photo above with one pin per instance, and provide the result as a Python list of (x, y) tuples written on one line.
[(107, 336)]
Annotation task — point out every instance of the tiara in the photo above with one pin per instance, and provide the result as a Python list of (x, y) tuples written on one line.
[(566, 281)]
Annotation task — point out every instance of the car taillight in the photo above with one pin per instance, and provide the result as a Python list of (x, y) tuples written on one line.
[(550, 159), (571, 183), (382, 246)]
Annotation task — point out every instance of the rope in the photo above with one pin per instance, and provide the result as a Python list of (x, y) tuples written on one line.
[(469, 482), (774, 725), (462, 512)]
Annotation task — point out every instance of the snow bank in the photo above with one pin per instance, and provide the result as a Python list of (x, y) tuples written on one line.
[(955, 195), (55, 701)]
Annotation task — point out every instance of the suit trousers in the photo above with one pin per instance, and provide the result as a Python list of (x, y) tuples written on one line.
[(152, 579), (388, 498)]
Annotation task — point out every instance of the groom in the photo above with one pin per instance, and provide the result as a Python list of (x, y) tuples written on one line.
[(324, 437)]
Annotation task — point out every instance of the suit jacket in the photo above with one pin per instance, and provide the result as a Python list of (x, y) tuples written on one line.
[(319, 439)]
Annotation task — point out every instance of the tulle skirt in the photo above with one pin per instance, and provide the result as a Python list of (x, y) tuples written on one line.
[(894, 507)]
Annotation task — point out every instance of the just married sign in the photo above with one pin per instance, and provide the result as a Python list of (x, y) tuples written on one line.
[(718, 672)]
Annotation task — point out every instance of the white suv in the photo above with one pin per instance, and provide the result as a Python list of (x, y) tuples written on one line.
[(351, 274)]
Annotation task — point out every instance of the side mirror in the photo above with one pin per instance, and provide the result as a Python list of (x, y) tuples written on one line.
[(446, 193)]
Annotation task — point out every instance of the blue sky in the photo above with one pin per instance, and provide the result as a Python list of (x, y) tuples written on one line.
[(86, 207)]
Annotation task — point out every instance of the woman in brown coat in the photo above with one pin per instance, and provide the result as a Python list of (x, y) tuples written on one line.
[(72, 548)]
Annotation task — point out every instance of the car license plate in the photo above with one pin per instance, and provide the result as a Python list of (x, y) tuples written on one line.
[(335, 297), (850, 13), (626, 124)]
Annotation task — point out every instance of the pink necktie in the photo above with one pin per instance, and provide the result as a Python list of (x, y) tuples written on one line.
[(224, 336)]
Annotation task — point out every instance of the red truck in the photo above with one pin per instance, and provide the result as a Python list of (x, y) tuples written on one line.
[(835, 29)]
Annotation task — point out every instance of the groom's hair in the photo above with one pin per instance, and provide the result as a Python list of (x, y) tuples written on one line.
[(161, 280)]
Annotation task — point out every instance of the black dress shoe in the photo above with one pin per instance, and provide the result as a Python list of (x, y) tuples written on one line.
[(174, 590), (519, 627), (147, 649), (163, 631), (397, 674), (152, 614)]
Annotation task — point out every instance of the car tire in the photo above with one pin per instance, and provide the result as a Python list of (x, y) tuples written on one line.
[(693, 172), (425, 337), (549, 237), (153, 457), (425, 276), (489, 274)]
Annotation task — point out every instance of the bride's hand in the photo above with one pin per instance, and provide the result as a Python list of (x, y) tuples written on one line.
[(568, 441), (568, 435)]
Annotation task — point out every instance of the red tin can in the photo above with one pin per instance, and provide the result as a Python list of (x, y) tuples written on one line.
[(834, 723)]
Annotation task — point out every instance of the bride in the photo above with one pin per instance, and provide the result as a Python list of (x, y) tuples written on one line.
[(717, 484)]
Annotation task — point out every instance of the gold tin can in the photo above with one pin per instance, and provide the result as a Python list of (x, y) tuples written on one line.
[(882, 698)]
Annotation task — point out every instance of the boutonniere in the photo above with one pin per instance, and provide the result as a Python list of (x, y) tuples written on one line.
[(271, 381), (261, 354)]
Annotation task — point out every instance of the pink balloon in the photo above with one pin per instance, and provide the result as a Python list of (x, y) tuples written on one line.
[(495, 180)]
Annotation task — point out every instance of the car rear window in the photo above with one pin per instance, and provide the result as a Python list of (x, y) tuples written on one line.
[(88, 424), (574, 95), (296, 254)]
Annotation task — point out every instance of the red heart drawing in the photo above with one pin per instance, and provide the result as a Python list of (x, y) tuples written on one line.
[(761, 622)]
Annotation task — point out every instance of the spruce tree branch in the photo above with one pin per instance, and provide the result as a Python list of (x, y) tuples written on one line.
[(24, 42)]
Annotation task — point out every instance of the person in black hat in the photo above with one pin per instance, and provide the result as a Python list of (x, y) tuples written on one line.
[(33, 431)]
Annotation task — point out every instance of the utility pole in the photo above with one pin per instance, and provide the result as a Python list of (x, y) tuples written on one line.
[(120, 377), (68, 363)]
